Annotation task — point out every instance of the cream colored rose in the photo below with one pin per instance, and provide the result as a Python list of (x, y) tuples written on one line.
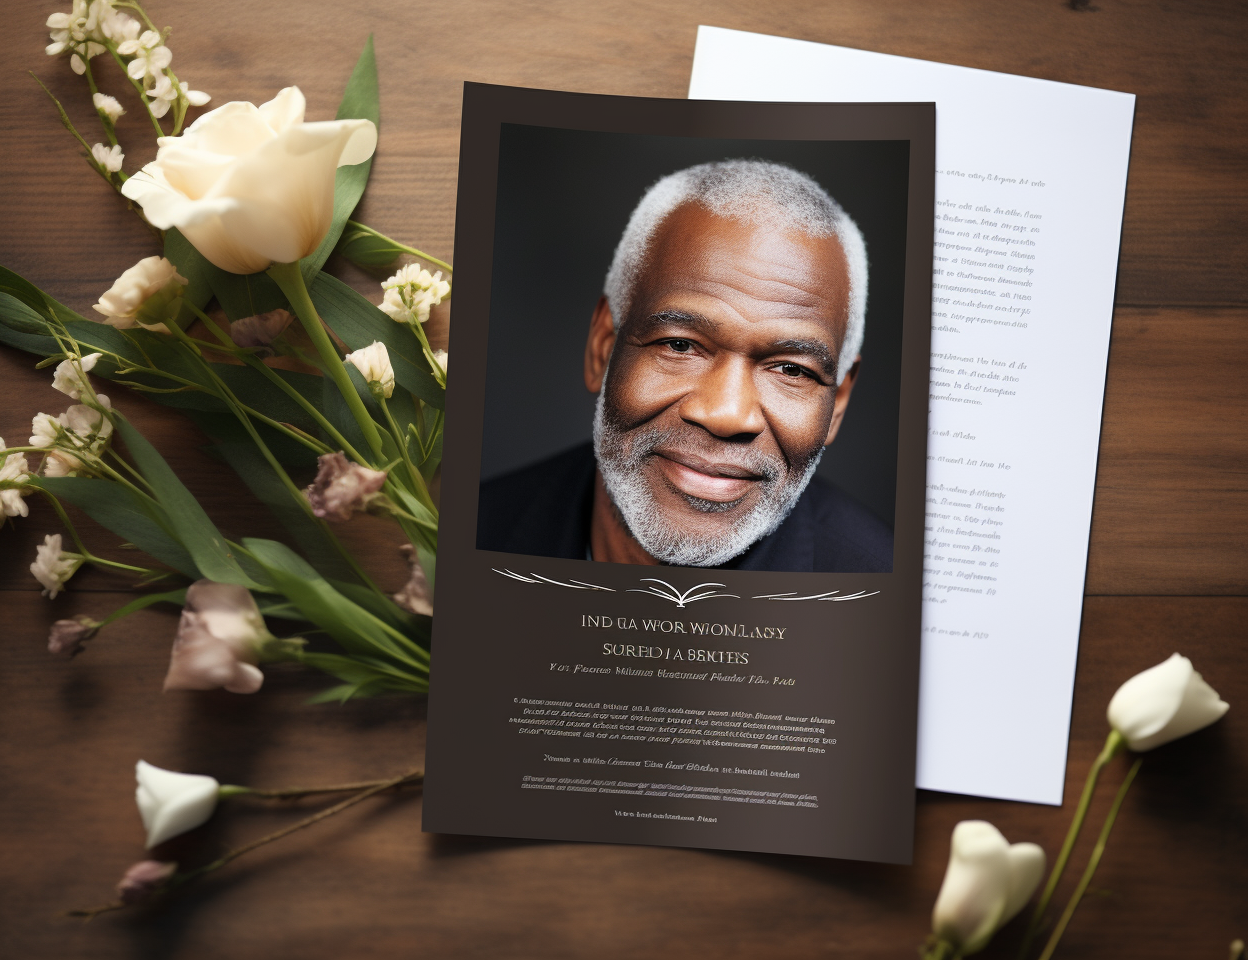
[(250, 186), (171, 803), (1164, 703)]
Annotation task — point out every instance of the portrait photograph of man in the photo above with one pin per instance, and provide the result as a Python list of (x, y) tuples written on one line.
[(677, 329)]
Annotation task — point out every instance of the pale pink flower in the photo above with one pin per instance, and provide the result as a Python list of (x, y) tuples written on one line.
[(342, 487), (220, 637), (415, 597), (67, 636)]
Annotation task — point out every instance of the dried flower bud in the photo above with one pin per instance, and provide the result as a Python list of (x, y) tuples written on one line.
[(414, 597), (260, 330), (67, 636), (342, 487), (144, 880), (220, 636)]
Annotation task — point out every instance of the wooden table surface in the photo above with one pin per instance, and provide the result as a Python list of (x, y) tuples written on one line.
[(1168, 568)]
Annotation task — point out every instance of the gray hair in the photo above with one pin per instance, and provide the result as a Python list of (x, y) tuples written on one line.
[(759, 192)]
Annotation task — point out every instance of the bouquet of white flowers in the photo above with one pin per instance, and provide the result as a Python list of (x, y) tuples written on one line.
[(248, 203)]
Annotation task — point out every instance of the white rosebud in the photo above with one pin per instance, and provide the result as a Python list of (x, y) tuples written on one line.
[(14, 477), (411, 293), (70, 376), (52, 566), (220, 637), (442, 358), (172, 803), (342, 487), (1164, 703), (144, 294), (249, 186), (987, 882), (373, 362)]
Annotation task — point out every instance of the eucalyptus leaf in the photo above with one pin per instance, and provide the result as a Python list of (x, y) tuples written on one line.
[(358, 323), (177, 597), (195, 267), (120, 510), (203, 541), (361, 100), (367, 249)]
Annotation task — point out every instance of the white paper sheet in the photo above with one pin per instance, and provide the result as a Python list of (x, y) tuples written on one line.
[(1030, 182)]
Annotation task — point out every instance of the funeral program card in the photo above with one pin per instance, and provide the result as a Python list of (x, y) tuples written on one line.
[(680, 568)]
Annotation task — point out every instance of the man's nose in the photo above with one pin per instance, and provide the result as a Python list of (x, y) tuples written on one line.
[(725, 401)]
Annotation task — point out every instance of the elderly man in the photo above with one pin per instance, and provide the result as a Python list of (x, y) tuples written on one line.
[(723, 353)]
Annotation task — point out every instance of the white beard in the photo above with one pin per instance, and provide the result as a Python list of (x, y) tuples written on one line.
[(620, 461)]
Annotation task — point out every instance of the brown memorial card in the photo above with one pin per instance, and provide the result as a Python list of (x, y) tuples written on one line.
[(681, 546)]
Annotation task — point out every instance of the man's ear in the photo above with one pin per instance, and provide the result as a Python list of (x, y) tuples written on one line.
[(842, 400), (599, 345)]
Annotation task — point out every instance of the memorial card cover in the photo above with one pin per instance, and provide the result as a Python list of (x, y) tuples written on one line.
[(678, 589)]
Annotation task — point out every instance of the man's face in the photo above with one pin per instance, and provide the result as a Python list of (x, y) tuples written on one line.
[(722, 387)]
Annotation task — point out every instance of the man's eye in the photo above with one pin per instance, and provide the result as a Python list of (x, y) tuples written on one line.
[(793, 370), (680, 346)]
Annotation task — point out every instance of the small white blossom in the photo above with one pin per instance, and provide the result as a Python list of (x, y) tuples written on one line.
[(53, 566), (443, 358), (109, 158), (14, 475), (144, 295), (121, 27), (196, 98), (70, 376), (412, 292), (108, 106), (373, 362), (80, 431), (161, 96), (151, 57)]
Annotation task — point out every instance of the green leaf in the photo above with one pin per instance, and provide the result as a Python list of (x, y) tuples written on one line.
[(21, 327), (361, 100), (120, 510), (359, 323), (357, 630), (26, 292), (209, 549), (367, 249), (173, 596), (246, 295)]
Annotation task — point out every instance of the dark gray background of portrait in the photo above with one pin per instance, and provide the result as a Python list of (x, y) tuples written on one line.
[(564, 198)]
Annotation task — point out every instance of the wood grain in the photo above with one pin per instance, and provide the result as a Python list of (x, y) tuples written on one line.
[(1170, 516), (369, 884)]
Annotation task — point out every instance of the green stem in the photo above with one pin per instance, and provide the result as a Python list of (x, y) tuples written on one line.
[(278, 382), (68, 125), (105, 122), (420, 254), (1114, 744), (938, 948), (64, 517), (290, 793), (418, 482), (138, 88), (411, 777), (1093, 861), (289, 278)]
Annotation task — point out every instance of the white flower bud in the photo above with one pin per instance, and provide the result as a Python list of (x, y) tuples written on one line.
[(987, 882), (373, 362), (109, 106), (172, 803), (14, 476), (1164, 703)]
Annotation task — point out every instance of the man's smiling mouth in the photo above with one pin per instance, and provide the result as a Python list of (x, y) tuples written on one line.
[(698, 478)]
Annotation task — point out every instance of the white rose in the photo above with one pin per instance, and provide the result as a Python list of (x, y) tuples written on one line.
[(987, 882), (373, 362), (172, 803), (144, 294), (250, 186), (1164, 703)]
